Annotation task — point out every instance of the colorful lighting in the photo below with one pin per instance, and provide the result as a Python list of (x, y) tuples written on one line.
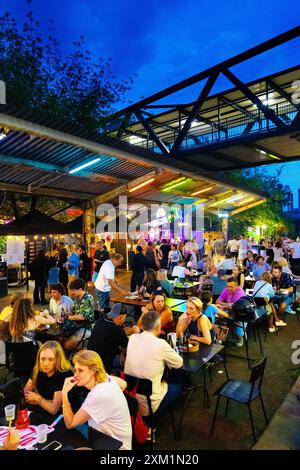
[(245, 201), (85, 165), (175, 184), (201, 191), (141, 185)]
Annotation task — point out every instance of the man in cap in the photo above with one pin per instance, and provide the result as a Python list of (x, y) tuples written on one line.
[(108, 338)]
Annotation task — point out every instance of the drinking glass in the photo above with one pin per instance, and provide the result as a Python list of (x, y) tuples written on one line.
[(41, 431), (10, 413)]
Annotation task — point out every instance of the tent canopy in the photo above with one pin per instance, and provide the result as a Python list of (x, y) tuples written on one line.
[(35, 223)]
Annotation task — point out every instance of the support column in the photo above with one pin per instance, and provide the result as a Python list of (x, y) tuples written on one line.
[(89, 223), (225, 227)]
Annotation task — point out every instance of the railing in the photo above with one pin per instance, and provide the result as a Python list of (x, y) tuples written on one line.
[(229, 128)]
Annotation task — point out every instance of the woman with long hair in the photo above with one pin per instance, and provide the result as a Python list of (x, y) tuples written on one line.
[(105, 407), (49, 373), (195, 323), (158, 304), (24, 321), (150, 283)]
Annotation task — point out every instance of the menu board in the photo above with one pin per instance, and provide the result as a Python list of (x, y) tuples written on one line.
[(33, 248), (15, 251)]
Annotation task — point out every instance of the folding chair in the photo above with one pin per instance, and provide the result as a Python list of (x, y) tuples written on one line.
[(243, 392)]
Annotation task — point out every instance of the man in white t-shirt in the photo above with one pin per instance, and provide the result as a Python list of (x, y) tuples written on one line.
[(147, 356), (106, 280)]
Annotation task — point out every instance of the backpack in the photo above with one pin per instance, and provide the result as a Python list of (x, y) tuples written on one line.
[(140, 430)]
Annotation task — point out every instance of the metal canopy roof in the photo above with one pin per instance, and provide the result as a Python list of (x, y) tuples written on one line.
[(249, 124), (36, 160)]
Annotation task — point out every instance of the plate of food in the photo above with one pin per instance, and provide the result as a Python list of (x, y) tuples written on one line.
[(131, 297)]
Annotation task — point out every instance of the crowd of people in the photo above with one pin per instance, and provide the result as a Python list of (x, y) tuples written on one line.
[(139, 348)]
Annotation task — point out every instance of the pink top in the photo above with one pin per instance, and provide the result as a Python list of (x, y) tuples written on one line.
[(231, 297)]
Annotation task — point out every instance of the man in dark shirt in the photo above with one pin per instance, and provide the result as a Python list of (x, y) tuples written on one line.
[(101, 255), (108, 338), (164, 248), (84, 263), (138, 265), (283, 285)]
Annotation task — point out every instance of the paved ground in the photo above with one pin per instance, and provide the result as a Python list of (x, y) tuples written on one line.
[(234, 431)]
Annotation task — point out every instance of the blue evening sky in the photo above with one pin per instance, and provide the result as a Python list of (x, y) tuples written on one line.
[(165, 41)]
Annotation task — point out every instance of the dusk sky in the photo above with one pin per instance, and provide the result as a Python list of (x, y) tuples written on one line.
[(165, 41)]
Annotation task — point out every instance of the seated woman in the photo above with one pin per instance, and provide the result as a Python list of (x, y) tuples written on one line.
[(195, 323), (238, 274), (263, 289), (24, 321), (158, 303), (5, 315), (150, 283), (105, 407), (208, 308), (162, 277), (49, 373)]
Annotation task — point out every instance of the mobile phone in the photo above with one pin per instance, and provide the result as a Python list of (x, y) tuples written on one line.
[(54, 445)]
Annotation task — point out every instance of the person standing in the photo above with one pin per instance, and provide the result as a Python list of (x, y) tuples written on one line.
[(106, 280), (38, 272), (243, 247), (295, 259), (164, 248), (72, 263), (83, 271), (138, 266), (62, 265), (101, 255)]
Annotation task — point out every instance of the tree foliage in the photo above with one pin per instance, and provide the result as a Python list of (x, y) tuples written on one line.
[(39, 75), (271, 212)]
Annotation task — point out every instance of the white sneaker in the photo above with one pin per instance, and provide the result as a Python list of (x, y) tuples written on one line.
[(240, 342), (280, 323), (272, 329)]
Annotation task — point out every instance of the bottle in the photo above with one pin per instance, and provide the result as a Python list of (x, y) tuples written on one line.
[(63, 315), (186, 342), (180, 342), (23, 419)]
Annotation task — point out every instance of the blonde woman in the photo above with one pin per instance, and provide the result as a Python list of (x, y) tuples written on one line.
[(72, 263), (195, 323), (105, 407), (24, 321), (49, 373)]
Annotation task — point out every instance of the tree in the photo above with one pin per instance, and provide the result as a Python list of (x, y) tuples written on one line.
[(269, 214), (38, 75)]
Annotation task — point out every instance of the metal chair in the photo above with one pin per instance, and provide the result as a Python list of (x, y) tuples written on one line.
[(10, 393), (244, 392), (20, 358), (144, 387)]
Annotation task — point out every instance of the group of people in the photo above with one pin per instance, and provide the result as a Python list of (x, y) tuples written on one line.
[(63, 263)]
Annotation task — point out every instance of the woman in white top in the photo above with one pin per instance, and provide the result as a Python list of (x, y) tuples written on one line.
[(105, 407)]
